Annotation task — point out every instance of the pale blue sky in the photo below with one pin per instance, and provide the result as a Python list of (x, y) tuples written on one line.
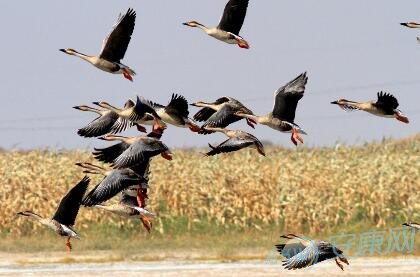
[(350, 49)]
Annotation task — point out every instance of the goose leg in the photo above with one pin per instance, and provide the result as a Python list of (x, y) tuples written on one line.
[(295, 137), (338, 264), (242, 43), (194, 128), (251, 122), (127, 74), (141, 128), (166, 155), (68, 244), (141, 201), (157, 124)]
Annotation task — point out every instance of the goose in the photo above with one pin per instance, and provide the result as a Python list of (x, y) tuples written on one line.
[(301, 252), (114, 181), (282, 117), (109, 154), (113, 47), (176, 113), (141, 112), (237, 141), (385, 106), (412, 224), (107, 122), (128, 207), (230, 24), (221, 113), (412, 25), (65, 216)]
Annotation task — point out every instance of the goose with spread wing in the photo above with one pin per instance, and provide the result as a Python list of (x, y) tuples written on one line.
[(113, 47), (237, 140), (221, 113), (114, 181), (140, 112), (285, 103), (176, 113), (230, 24), (301, 252), (385, 106), (65, 216), (108, 122)]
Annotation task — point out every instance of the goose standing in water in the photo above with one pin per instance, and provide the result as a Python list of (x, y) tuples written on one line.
[(285, 103), (385, 106), (301, 252), (107, 122), (113, 47), (65, 216), (221, 113), (230, 24), (237, 141), (176, 113)]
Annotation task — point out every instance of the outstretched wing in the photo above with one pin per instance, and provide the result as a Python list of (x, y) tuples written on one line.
[(115, 182), (99, 126), (116, 44), (109, 154), (233, 16), (287, 98), (205, 113), (386, 101), (69, 206), (229, 145), (222, 118), (178, 106)]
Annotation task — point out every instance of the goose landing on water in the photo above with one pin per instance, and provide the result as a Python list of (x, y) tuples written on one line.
[(66, 213), (385, 106), (113, 47), (230, 24)]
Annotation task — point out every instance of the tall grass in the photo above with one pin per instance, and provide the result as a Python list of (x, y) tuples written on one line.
[(300, 190)]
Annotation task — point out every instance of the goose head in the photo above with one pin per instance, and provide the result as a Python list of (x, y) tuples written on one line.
[(69, 51), (82, 108), (411, 24), (192, 24)]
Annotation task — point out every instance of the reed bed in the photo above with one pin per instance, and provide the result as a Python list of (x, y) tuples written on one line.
[(302, 190)]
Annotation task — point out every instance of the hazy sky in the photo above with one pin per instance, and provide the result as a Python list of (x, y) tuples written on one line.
[(350, 49)]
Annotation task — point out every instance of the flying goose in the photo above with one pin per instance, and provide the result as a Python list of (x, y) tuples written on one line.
[(65, 216), (109, 154), (230, 24), (113, 47), (114, 181), (108, 122), (176, 113), (237, 141), (221, 113), (282, 117), (385, 106), (128, 207), (301, 252), (140, 149), (141, 112), (412, 224)]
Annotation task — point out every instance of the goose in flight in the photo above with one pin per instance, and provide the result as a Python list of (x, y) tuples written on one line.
[(114, 181), (301, 252), (237, 140), (230, 24), (108, 122), (282, 117), (412, 224), (385, 106), (176, 113), (113, 47), (221, 113), (65, 216)]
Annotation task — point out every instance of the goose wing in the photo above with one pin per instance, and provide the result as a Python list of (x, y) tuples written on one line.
[(142, 107), (112, 184), (100, 126), (178, 107), (140, 152), (287, 98), (205, 113), (229, 145), (109, 154), (115, 45), (233, 16), (69, 206), (222, 118), (386, 101)]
